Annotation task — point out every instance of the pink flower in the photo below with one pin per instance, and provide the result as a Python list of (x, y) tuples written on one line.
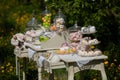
[(20, 37), (31, 33)]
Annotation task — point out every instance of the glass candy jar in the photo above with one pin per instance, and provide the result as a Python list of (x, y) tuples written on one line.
[(74, 28), (59, 21), (31, 29), (32, 24), (75, 34), (46, 18)]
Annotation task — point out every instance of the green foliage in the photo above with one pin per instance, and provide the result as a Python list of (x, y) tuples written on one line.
[(7, 72), (88, 75), (104, 14)]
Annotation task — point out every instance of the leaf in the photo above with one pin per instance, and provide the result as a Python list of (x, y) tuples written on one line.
[(107, 1)]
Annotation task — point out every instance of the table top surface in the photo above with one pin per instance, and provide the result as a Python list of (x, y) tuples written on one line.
[(69, 57), (74, 58)]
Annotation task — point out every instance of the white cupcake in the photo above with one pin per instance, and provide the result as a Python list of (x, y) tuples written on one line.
[(90, 53), (97, 52)]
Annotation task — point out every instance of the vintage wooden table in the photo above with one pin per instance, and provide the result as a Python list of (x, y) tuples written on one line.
[(70, 61), (72, 67), (96, 64), (66, 62)]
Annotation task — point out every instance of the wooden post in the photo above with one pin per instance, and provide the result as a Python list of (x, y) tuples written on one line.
[(19, 70), (24, 68), (16, 61), (103, 74), (17, 67), (70, 72), (39, 73)]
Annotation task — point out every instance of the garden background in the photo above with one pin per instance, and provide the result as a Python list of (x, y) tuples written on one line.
[(103, 14)]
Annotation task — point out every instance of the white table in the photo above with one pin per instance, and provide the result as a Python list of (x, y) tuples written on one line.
[(69, 64), (72, 67), (96, 64)]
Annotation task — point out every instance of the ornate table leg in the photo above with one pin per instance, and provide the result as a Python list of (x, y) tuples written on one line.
[(102, 69), (39, 73), (16, 61), (70, 73), (24, 68), (17, 67)]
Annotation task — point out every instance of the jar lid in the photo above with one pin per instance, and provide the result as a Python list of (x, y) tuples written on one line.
[(59, 15), (33, 23), (74, 28), (46, 11)]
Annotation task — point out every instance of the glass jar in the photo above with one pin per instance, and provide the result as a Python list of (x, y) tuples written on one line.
[(46, 18), (75, 34), (32, 24), (74, 28), (59, 21)]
